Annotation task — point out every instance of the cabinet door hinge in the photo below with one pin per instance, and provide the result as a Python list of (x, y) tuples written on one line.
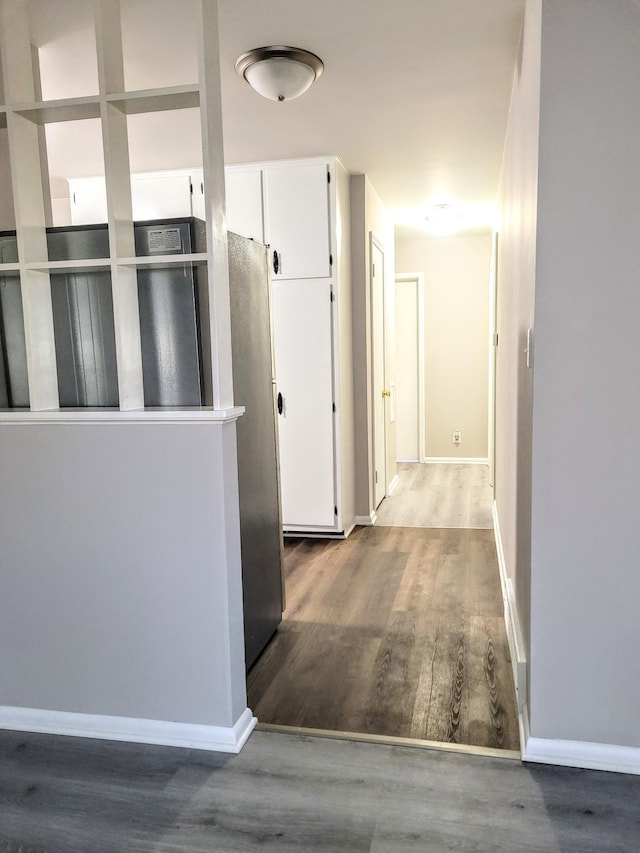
[(495, 339), (330, 260), (331, 295), (333, 407), (376, 476), (190, 187), (335, 510), (328, 177)]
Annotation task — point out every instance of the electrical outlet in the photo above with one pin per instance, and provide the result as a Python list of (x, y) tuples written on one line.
[(457, 436)]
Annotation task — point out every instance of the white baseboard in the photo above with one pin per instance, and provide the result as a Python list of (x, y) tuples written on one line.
[(367, 520), (130, 729), (458, 460), (576, 753), (512, 622), (392, 485)]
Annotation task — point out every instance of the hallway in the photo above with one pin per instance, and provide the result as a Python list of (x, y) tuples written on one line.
[(397, 631)]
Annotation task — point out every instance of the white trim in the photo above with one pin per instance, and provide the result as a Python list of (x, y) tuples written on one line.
[(115, 416), (462, 460), (392, 485), (129, 729), (577, 753), (512, 622), (367, 520), (493, 355)]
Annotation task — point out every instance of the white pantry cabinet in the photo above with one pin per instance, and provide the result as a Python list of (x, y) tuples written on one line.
[(301, 209)]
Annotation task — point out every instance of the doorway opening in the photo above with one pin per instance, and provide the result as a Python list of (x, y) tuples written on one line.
[(397, 631)]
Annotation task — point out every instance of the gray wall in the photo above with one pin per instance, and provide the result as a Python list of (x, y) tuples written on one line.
[(585, 583), (121, 591), (516, 270)]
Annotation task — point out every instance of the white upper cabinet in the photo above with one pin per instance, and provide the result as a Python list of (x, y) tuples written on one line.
[(297, 219), (244, 202), (154, 195)]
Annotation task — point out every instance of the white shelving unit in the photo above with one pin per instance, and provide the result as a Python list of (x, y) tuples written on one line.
[(23, 115)]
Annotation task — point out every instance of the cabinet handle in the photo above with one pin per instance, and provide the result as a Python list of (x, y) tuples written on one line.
[(280, 403), (276, 262)]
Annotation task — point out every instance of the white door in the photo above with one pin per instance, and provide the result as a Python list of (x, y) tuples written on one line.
[(297, 220), (379, 391), (409, 338), (304, 371)]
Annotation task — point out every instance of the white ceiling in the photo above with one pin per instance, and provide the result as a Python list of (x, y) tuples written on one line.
[(415, 93)]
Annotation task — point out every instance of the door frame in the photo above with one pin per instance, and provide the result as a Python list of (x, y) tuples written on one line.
[(375, 242), (418, 277), (493, 359)]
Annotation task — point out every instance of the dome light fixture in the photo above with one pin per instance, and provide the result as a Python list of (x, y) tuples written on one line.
[(443, 220), (278, 72)]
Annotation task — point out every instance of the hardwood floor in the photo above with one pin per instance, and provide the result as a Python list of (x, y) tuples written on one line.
[(395, 631), (439, 495), (301, 794)]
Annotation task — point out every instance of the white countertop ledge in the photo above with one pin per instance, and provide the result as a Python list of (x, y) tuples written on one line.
[(201, 415)]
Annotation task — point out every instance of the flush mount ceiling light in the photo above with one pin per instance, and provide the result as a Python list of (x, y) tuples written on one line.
[(443, 219), (279, 72)]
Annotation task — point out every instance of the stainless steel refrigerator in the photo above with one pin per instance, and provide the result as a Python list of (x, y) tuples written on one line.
[(258, 469)]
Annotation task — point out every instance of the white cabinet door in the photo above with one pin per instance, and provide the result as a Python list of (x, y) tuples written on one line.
[(160, 196), (243, 189), (303, 360), (88, 198), (297, 219), (197, 194)]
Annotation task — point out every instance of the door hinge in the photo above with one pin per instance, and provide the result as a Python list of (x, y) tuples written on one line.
[(373, 272), (335, 510), (330, 260), (495, 339), (190, 187), (331, 295), (328, 177), (333, 406), (376, 476)]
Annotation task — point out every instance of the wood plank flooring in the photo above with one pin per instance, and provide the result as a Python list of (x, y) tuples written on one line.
[(292, 794), (395, 631), (439, 495)]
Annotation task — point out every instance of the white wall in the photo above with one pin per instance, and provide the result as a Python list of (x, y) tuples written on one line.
[(516, 270), (456, 276), (369, 215), (585, 577)]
